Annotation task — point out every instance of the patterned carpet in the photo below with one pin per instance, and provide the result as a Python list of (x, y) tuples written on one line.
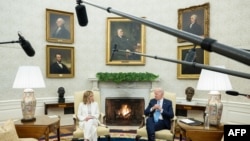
[(121, 135)]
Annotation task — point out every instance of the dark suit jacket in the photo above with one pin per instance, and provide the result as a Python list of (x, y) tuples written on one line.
[(63, 33), (167, 113), (56, 69), (122, 44), (196, 29)]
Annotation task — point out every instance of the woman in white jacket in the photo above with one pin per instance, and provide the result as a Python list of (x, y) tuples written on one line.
[(88, 113)]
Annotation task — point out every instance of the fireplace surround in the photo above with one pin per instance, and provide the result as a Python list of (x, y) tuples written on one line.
[(124, 111), (135, 93)]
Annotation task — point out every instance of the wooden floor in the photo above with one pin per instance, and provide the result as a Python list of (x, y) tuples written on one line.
[(67, 129)]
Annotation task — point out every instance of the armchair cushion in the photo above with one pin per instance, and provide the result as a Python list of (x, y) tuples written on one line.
[(27, 139), (8, 132)]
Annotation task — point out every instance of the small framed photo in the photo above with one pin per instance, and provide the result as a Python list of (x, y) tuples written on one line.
[(59, 26), (194, 20), (59, 61), (191, 72), (126, 36)]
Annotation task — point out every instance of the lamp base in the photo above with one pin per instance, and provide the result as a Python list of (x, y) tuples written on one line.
[(28, 104), (28, 120), (215, 108)]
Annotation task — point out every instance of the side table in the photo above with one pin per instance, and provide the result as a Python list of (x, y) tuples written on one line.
[(48, 105), (190, 107), (198, 133), (183, 108), (43, 125)]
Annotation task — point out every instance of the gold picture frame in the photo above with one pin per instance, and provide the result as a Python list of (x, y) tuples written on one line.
[(191, 72), (56, 18), (133, 40), (199, 14), (64, 69)]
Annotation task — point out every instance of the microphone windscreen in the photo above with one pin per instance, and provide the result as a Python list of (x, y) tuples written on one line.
[(81, 15), (190, 56), (234, 93), (26, 46)]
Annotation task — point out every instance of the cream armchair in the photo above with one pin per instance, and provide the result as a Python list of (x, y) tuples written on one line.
[(162, 134), (102, 130), (8, 132)]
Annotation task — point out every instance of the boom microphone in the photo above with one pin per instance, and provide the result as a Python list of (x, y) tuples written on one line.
[(234, 93), (191, 55), (81, 14), (26, 46), (207, 43)]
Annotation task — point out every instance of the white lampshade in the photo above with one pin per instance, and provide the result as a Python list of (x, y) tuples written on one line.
[(29, 77), (213, 81)]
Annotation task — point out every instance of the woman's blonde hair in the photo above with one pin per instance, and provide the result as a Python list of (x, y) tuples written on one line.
[(86, 95)]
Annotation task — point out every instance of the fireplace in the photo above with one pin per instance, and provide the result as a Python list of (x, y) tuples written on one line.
[(130, 96), (124, 110)]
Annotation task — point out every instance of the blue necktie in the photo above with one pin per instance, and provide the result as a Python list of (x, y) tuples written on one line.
[(157, 113)]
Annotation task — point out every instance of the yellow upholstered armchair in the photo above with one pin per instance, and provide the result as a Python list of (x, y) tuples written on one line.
[(164, 134), (102, 130), (8, 132)]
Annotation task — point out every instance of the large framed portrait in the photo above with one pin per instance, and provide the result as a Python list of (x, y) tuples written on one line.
[(127, 37), (194, 20), (59, 26), (59, 61), (191, 72)]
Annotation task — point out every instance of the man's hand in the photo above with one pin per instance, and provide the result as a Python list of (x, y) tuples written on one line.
[(157, 107)]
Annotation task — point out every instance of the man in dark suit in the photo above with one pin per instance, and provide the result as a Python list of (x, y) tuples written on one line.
[(58, 67), (165, 109), (124, 43), (61, 31)]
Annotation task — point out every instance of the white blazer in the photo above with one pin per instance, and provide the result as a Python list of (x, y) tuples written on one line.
[(83, 111)]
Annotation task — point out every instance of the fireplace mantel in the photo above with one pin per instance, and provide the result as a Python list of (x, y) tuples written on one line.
[(123, 89), (96, 83)]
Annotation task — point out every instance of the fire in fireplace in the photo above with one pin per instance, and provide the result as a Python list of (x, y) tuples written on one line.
[(124, 111)]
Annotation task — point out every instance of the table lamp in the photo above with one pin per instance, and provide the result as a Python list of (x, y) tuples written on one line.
[(28, 77), (214, 82)]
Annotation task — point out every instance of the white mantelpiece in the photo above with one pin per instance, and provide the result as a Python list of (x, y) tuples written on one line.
[(124, 89), (94, 82)]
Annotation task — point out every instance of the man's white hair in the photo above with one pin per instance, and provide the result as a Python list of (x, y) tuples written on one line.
[(159, 89), (61, 19)]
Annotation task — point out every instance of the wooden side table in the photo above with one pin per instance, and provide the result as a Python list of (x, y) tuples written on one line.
[(48, 105), (43, 125), (190, 107), (186, 107), (198, 133)]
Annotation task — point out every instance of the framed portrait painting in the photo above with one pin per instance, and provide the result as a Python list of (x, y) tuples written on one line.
[(59, 61), (125, 38), (194, 20), (191, 72), (59, 26)]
